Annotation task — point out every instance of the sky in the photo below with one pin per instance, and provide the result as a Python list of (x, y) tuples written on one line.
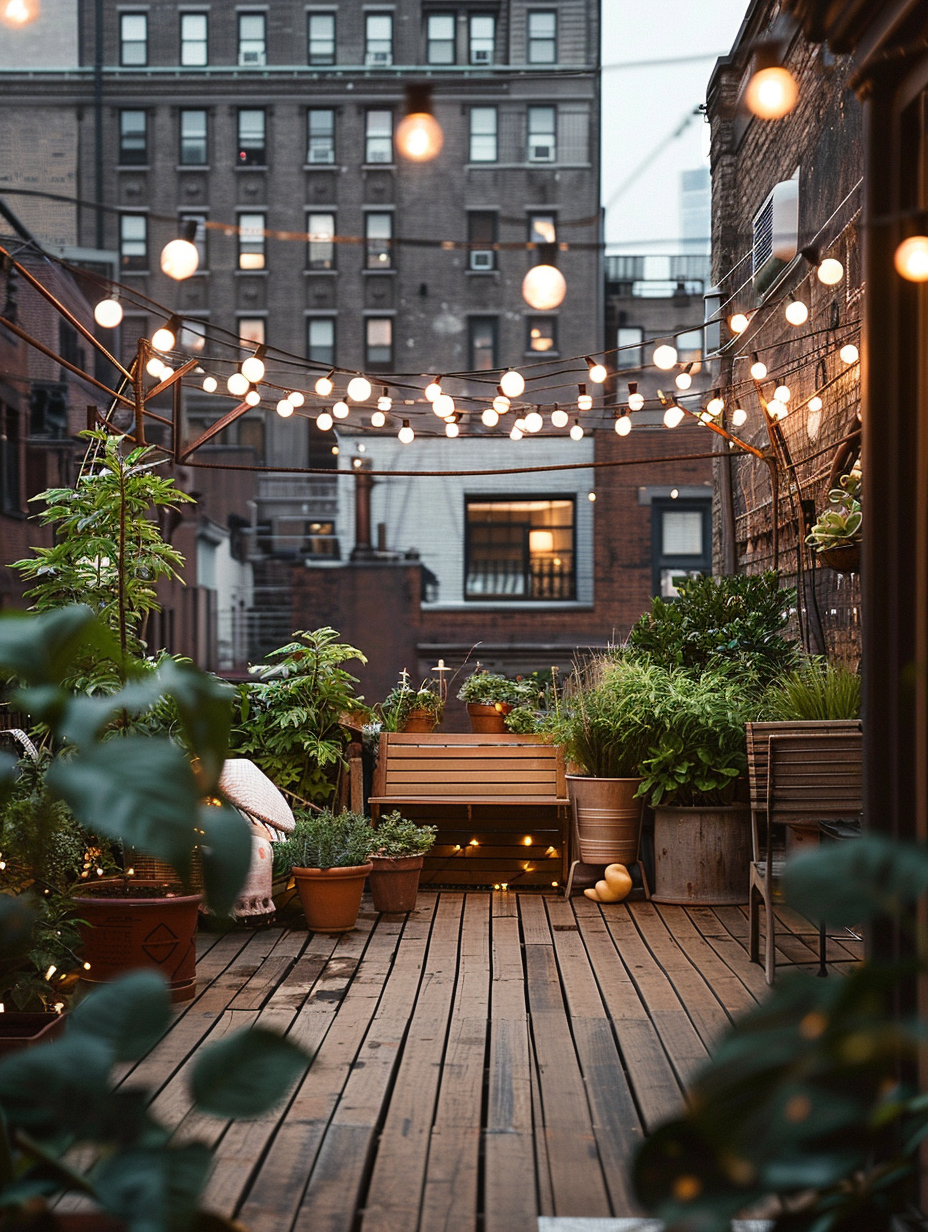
[(643, 106)]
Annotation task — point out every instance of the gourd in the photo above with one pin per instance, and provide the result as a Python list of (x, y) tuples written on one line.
[(616, 885)]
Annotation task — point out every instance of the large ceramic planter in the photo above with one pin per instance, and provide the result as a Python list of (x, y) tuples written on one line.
[(331, 897), (125, 934), (702, 855), (420, 721), (488, 720), (395, 882), (22, 1030), (608, 818)]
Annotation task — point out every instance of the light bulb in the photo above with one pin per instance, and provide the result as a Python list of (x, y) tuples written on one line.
[(154, 366), (451, 428), (378, 419), (782, 393), (778, 409), (108, 313), (815, 403), (673, 416), (512, 384), (796, 312), (597, 373), (534, 422), (163, 339), (715, 405), (664, 357), (683, 380), (210, 384), (324, 386), (849, 353), (406, 434), (830, 271), (324, 421), (576, 432), (635, 401), (520, 424), (179, 259), (284, 408), (559, 418), (340, 410), (17, 13), (738, 323), (419, 136), (359, 388), (433, 391), (772, 93), (544, 287), (443, 406), (295, 398), (758, 370), (623, 425), (501, 404), (584, 400), (253, 368), (252, 397), (911, 258), (237, 384), (384, 402), (489, 418), (515, 434), (738, 416)]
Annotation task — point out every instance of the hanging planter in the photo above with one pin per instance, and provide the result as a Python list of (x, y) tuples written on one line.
[(843, 559), (836, 534)]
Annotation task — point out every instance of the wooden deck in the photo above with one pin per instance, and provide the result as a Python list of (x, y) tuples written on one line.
[(486, 1060)]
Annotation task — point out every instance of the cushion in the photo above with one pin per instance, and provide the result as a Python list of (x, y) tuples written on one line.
[(250, 790)]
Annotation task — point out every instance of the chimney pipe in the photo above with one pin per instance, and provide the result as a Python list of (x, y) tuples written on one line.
[(381, 536), (363, 482)]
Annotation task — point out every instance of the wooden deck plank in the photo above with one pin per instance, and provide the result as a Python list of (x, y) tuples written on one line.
[(727, 982)]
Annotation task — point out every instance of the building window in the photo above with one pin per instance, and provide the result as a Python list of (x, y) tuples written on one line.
[(542, 334), (251, 242), (378, 137), (321, 33), (10, 485), (199, 237), (542, 38), (193, 334), (542, 134), (481, 235), (689, 346), (483, 134), (378, 45), (321, 250), (321, 143), (193, 40), (320, 340), (193, 138), (378, 339), (133, 242), (519, 549), (133, 138), (629, 340), (681, 542), (133, 39), (378, 232), (251, 147), (252, 38), (542, 228), (484, 343), (251, 331), (482, 38), (440, 42)]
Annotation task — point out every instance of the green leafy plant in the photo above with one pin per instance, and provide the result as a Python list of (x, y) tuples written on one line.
[(483, 688), (402, 700), (841, 524), (325, 840), (816, 690), (396, 836), (810, 1105), (736, 619), (523, 720), (291, 715)]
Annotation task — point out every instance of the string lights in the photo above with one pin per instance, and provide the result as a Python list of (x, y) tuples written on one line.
[(664, 357), (324, 385), (108, 313), (911, 258), (512, 384), (406, 435)]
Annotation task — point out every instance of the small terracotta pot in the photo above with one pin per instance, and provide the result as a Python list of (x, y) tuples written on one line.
[(19, 1031), (488, 719), (331, 897), (395, 882), (420, 721), (124, 934), (845, 559)]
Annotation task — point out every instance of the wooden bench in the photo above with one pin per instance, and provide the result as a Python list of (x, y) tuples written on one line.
[(500, 804)]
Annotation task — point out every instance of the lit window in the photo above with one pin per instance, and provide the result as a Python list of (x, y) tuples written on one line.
[(481, 235), (251, 242), (542, 38), (251, 331), (199, 237), (542, 229), (193, 40), (193, 138), (378, 140), (252, 38), (484, 343), (321, 252), (133, 242), (689, 346), (133, 138), (320, 340), (378, 231), (483, 134), (629, 340), (542, 134), (321, 125), (440, 42), (251, 147), (379, 342), (519, 549), (378, 49), (482, 38), (321, 38), (542, 333), (133, 39)]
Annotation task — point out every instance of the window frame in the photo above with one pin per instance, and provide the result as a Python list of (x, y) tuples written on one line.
[(690, 355), (473, 38), (474, 323), (370, 136), (320, 162), (330, 58), (622, 357), (259, 244), (430, 41), (546, 319), (502, 498), (131, 161), (369, 55), (543, 133), (124, 42), (318, 261), (378, 247), (533, 40), (688, 564), (493, 216), (256, 337), (244, 159), (475, 135), (11, 471), (252, 15), (201, 238), (141, 265), (185, 111), (378, 365), (542, 215), (184, 42), (317, 359)]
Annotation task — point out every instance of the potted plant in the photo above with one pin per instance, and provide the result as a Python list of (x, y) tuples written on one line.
[(399, 847), (405, 709), (328, 855), (836, 536), (490, 697)]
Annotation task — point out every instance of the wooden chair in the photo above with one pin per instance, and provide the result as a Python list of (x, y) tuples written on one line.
[(810, 777)]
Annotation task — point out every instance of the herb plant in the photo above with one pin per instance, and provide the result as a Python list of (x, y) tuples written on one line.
[(325, 840), (483, 688), (816, 690), (402, 700), (396, 836)]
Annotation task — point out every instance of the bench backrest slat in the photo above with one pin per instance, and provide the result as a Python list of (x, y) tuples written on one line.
[(468, 765)]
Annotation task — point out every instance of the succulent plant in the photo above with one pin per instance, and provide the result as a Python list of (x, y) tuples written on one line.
[(839, 526)]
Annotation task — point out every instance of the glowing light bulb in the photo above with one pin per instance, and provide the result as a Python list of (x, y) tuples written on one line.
[(559, 418), (443, 406), (18, 13), (778, 409), (520, 424), (623, 425), (534, 422), (378, 419), (324, 386), (683, 380), (597, 373), (155, 367), (284, 408), (253, 368), (359, 389), (796, 312), (849, 353), (210, 384), (406, 434), (544, 287), (715, 405), (384, 402), (771, 93), (758, 370), (252, 397), (584, 400), (341, 410), (163, 339), (738, 323), (738, 416), (324, 421), (295, 398), (501, 404), (512, 384), (673, 416), (815, 403), (108, 313), (635, 401), (664, 357), (179, 259), (237, 384), (830, 272), (433, 391), (419, 136), (911, 258), (782, 393), (516, 433), (451, 428), (489, 418), (576, 432)]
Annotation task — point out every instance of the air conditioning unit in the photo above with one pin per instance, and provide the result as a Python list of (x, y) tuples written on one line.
[(379, 58), (481, 55), (776, 227), (252, 57), (481, 259), (541, 151), (321, 156)]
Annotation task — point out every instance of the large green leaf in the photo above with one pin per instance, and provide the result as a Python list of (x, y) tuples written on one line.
[(204, 705), (84, 718), (225, 850), (61, 1087), (154, 1190), (40, 649), (246, 1074), (130, 1014), (848, 883)]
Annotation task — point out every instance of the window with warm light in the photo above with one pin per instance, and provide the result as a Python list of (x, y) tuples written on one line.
[(193, 152), (481, 235), (439, 47), (681, 542), (542, 134), (321, 38), (251, 331), (542, 334), (199, 237), (378, 137), (542, 228), (521, 549), (133, 242), (320, 122), (378, 343), (320, 253), (484, 343), (252, 38), (378, 44), (133, 40), (629, 341), (483, 124), (320, 340), (194, 40), (542, 37), (133, 138), (378, 235), (482, 38), (251, 255), (252, 151)]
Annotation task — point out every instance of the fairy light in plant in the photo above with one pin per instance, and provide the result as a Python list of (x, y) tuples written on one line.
[(324, 385), (473, 843), (758, 367), (51, 971), (86, 966), (489, 418), (341, 410)]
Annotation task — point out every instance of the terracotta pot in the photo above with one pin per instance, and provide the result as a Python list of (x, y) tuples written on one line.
[(702, 855), (395, 882), (488, 719), (608, 818), (420, 721), (843, 560), (19, 1031), (124, 934), (331, 897)]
